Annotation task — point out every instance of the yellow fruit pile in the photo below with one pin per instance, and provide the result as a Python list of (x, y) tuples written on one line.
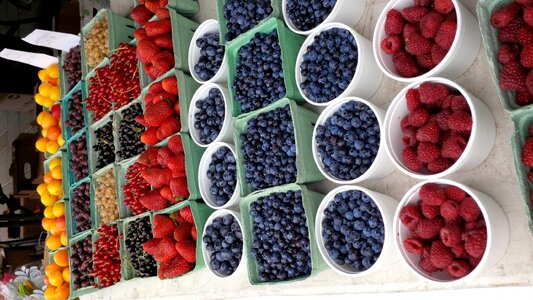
[(51, 139), (49, 91), (57, 277)]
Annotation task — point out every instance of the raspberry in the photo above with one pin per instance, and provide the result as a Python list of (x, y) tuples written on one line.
[(451, 16), (459, 269), (440, 255), (459, 103), (460, 121), (392, 44), (416, 44), (409, 137), (410, 216), (405, 64), (409, 29), (528, 15), (469, 210), (527, 152), (451, 235), (414, 14), (454, 193), (432, 93), (430, 23), (423, 2), (404, 124), (425, 61), (459, 250), (432, 194), (441, 118), (418, 117), (446, 34), (412, 99), (426, 265), (505, 54), (443, 6), (428, 133), (447, 102), (427, 152), (524, 35), (504, 15), (523, 98), (429, 228), (529, 82), (512, 77), (474, 261), (437, 54), (439, 165), (410, 160), (394, 22), (429, 211), (475, 242), (453, 146), (526, 56), (525, 2), (509, 33), (414, 245)]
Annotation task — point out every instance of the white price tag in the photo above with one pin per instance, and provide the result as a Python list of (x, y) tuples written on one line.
[(35, 59), (51, 39)]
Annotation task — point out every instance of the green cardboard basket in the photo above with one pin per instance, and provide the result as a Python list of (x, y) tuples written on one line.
[(277, 12), (128, 272), (85, 290), (72, 228), (485, 8), (121, 172), (185, 7), (65, 106), (290, 44), (303, 122), (72, 180), (310, 200)]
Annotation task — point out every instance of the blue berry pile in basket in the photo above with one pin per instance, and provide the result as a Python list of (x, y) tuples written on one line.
[(348, 142), (280, 245), (222, 173), (353, 230), (308, 14), (211, 56), (269, 149), (223, 241), (242, 16), (259, 77), (210, 116), (329, 64)]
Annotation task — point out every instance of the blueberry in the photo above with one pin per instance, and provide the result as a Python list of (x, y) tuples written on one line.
[(224, 244), (221, 173), (207, 120), (241, 17)]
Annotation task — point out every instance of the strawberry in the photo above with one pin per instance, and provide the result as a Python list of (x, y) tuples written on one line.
[(177, 164), (405, 64), (177, 267), (155, 88), (149, 157), (193, 233), (429, 228), (416, 44), (158, 27), (430, 23), (469, 210), (162, 3), (179, 188), (414, 245), (409, 157), (161, 270), (140, 119), (445, 34), (163, 96), (156, 114), (164, 41), (175, 145), (432, 93), (440, 255), (528, 15), (410, 216), (475, 242), (152, 200), (140, 34), (146, 49), (169, 127), (149, 137), (459, 268), (151, 175), (166, 193), (412, 99), (182, 232), (432, 194), (163, 155), (394, 22), (141, 14), (504, 15), (186, 214), (162, 13), (163, 61), (163, 226), (428, 133), (439, 165), (527, 152), (151, 245), (418, 117), (187, 249), (414, 14), (165, 250), (177, 107), (170, 85), (427, 152), (152, 71), (443, 6), (151, 5), (437, 54)]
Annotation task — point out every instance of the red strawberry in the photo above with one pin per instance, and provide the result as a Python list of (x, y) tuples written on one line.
[(432, 93), (425, 61), (146, 49), (152, 200), (177, 164), (418, 117), (391, 44), (440, 255), (394, 22), (432, 194), (164, 41), (405, 64), (416, 44), (157, 113), (509, 33), (460, 121), (149, 157), (414, 14), (177, 107), (163, 155), (186, 214), (412, 99), (453, 146), (427, 152), (429, 228), (162, 13), (140, 34), (161, 270), (445, 34), (443, 6), (429, 211), (187, 249), (151, 5), (170, 85), (451, 235), (459, 269), (177, 267), (428, 133), (149, 137), (409, 157), (193, 233), (414, 245), (169, 127), (410, 216), (454, 193), (430, 23), (182, 232), (179, 188), (140, 119), (141, 14), (163, 226), (528, 15), (151, 245), (504, 15), (475, 242), (163, 61), (439, 165), (175, 145), (151, 175), (163, 96), (162, 3), (166, 193), (527, 152), (155, 88), (165, 250), (437, 54), (469, 210), (158, 27)]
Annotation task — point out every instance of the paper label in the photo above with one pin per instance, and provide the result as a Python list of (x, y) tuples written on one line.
[(35, 59), (51, 39)]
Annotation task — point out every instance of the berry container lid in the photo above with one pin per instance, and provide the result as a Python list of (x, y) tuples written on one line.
[(74, 293), (65, 105), (128, 271), (72, 232)]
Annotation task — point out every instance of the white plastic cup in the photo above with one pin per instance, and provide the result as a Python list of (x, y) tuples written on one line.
[(226, 132), (479, 144), (208, 26), (381, 166), (348, 12), (497, 234), (367, 76), (459, 58), (387, 208), (206, 254), (205, 184)]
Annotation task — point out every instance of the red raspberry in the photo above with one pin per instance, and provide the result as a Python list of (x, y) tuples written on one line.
[(459, 250), (528, 15), (429, 211), (523, 98), (432, 194), (412, 99), (416, 44), (425, 61), (451, 16), (474, 261), (404, 124), (427, 152), (443, 6), (524, 35), (530, 175), (451, 235), (475, 242), (505, 54), (430, 23), (459, 269), (447, 102), (454, 193), (469, 210), (504, 15), (409, 29), (439, 165), (459, 103), (414, 245), (418, 117), (406, 65), (392, 44), (526, 56), (429, 228), (512, 77), (446, 34), (440, 255), (529, 82), (409, 137), (460, 121), (423, 2), (453, 146), (527, 152), (410, 159), (524, 2), (509, 33), (410, 216), (432, 93), (428, 133), (426, 265), (441, 118), (437, 54), (394, 22), (414, 14)]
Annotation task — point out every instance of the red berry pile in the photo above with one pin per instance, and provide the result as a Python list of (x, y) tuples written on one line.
[(164, 170), (154, 38), (514, 23), (162, 112), (437, 128), (527, 155), (135, 188), (174, 243), (447, 230), (115, 84), (106, 257), (419, 36)]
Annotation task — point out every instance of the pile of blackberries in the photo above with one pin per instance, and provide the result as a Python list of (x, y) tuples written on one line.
[(104, 145)]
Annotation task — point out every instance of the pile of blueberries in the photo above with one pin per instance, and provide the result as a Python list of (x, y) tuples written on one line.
[(104, 145), (269, 149), (139, 232), (353, 230), (209, 118), (222, 173), (211, 56), (242, 16), (259, 77), (348, 142), (281, 245), (329, 64), (129, 133), (223, 241), (308, 14)]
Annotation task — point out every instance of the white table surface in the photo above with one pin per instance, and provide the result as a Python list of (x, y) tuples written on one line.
[(495, 177)]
